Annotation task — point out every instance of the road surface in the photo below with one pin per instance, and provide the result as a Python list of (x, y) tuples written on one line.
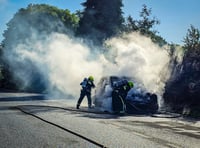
[(28, 121)]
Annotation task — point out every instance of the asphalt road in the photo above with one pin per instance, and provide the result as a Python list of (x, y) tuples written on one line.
[(31, 123)]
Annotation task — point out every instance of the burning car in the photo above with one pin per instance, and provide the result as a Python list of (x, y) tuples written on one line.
[(138, 100)]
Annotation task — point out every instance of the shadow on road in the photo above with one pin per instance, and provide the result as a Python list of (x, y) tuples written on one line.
[(36, 109), (21, 97)]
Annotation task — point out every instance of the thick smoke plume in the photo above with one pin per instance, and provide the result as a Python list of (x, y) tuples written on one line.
[(137, 56), (63, 61)]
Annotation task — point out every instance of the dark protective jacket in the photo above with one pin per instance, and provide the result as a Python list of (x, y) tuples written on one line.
[(122, 88), (119, 93), (87, 85)]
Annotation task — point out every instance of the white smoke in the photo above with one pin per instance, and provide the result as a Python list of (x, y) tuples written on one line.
[(60, 59), (64, 61), (137, 56)]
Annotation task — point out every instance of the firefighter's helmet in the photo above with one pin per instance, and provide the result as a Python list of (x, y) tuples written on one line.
[(131, 84), (91, 78)]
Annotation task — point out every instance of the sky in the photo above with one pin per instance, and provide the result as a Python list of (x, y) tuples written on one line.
[(175, 16)]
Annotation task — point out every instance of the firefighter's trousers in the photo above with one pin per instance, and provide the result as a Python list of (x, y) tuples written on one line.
[(118, 104), (82, 95)]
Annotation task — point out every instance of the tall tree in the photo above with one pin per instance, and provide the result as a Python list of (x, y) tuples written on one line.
[(1, 63), (101, 19), (40, 17), (131, 24), (36, 21), (192, 39), (183, 87), (145, 25)]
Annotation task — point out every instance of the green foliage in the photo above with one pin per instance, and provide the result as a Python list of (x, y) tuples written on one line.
[(101, 19), (192, 39), (156, 38), (1, 64), (183, 87), (50, 11), (5, 79), (145, 25), (131, 25), (38, 20)]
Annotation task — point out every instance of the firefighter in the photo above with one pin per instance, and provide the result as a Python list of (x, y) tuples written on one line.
[(87, 85), (119, 94)]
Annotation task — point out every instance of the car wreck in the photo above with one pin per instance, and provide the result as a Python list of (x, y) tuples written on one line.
[(137, 101)]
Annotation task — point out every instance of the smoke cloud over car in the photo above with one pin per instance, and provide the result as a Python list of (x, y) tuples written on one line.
[(61, 61)]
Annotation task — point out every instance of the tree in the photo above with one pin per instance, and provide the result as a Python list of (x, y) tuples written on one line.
[(40, 20), (1, 63), (192, 39), (131, 25), (101, 19), (183, 88), (145, 25)]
